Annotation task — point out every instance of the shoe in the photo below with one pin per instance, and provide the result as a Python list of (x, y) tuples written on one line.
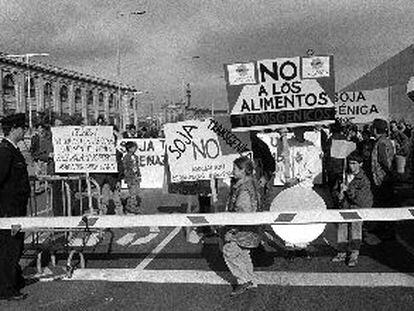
[(340, 257), (352, 262), (353, 259), (240, 289)]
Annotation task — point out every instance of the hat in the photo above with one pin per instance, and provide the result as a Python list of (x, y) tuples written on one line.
[(14, 120), (380, 124)]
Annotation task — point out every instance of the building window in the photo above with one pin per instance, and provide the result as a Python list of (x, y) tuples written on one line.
[(64, 99), (89, 107), (78, 100), (101, 104), (9, 94), (48, 96)]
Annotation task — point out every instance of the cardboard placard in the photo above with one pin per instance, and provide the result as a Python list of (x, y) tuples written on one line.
[(81, 149), (362, 106), (195, 151), (281, 92)]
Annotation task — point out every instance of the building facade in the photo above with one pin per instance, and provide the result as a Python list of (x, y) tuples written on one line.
[(64, 92)]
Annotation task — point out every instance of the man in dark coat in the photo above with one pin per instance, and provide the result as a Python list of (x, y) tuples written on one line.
[(14, 195)]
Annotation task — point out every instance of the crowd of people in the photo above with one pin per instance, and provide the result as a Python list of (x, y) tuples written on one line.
[(383, 154)]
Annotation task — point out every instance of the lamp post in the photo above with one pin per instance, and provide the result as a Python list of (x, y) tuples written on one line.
[(27, 60), (120, 14)]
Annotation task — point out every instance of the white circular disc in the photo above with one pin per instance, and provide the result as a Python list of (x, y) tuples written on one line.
[(296, 199)]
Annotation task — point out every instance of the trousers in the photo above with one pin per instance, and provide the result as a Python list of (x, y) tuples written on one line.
[(133, 204), (11, 249), (349, 236), (108, 194), (239, 262)]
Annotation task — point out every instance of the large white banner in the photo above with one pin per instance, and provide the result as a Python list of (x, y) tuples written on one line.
[(362, 106), (281, 92), (151, 159), (194, 152), (81, 149)]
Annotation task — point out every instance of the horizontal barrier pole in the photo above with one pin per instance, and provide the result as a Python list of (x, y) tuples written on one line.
[(216, 219)]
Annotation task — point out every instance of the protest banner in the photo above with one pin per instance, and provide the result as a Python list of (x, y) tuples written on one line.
[(362, 106), (274, 142), (196, 153), (281, 92), (84, 149), (151, 159)]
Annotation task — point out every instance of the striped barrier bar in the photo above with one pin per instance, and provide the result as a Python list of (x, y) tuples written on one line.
[(216, 219)]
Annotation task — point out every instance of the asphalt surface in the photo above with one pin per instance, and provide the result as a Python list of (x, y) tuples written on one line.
[(140, 249)]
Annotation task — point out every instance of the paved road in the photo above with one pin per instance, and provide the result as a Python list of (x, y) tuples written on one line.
[(157, 269)]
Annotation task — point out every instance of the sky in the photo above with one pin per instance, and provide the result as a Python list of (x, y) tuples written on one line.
[(187, 41)]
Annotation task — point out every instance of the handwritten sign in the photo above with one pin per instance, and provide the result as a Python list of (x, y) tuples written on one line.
[(286, 92), (151, 158), (80, 149), (195, 153), (362, 106)]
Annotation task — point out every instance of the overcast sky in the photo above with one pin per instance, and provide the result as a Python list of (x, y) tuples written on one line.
[(158, 48)]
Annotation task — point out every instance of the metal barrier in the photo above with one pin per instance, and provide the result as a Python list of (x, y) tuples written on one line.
[(59, 238)]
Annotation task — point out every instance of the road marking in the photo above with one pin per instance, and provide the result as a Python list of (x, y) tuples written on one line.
[(146, 239), (42, 237), (154, 229), (158, 249), (126, 239), (91, 240), (357, 279)]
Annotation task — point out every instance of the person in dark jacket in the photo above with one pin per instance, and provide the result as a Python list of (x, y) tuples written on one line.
[(354, 192), (14, 195)]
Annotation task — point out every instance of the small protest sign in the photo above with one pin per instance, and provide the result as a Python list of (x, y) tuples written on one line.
[(342, 148), (151, 159), (362, 106), (195, 152), (281, 92), (84, 149)]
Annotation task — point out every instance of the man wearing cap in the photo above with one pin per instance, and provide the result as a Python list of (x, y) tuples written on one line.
[(14, 195)]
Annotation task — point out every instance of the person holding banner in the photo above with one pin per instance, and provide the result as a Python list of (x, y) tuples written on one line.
[(132, 177), (240, 240), (14, 195), (353, 193)]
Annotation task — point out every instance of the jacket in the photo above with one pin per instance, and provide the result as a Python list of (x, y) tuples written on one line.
[(131, 169), (381, 161), (244, 198), (14, 181), (358, 194)]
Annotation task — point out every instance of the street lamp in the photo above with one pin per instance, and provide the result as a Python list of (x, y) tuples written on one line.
[(27, 60), (118, 53)]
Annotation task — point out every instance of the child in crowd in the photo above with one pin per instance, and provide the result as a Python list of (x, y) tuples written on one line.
[(354, 192), (132, 177)]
